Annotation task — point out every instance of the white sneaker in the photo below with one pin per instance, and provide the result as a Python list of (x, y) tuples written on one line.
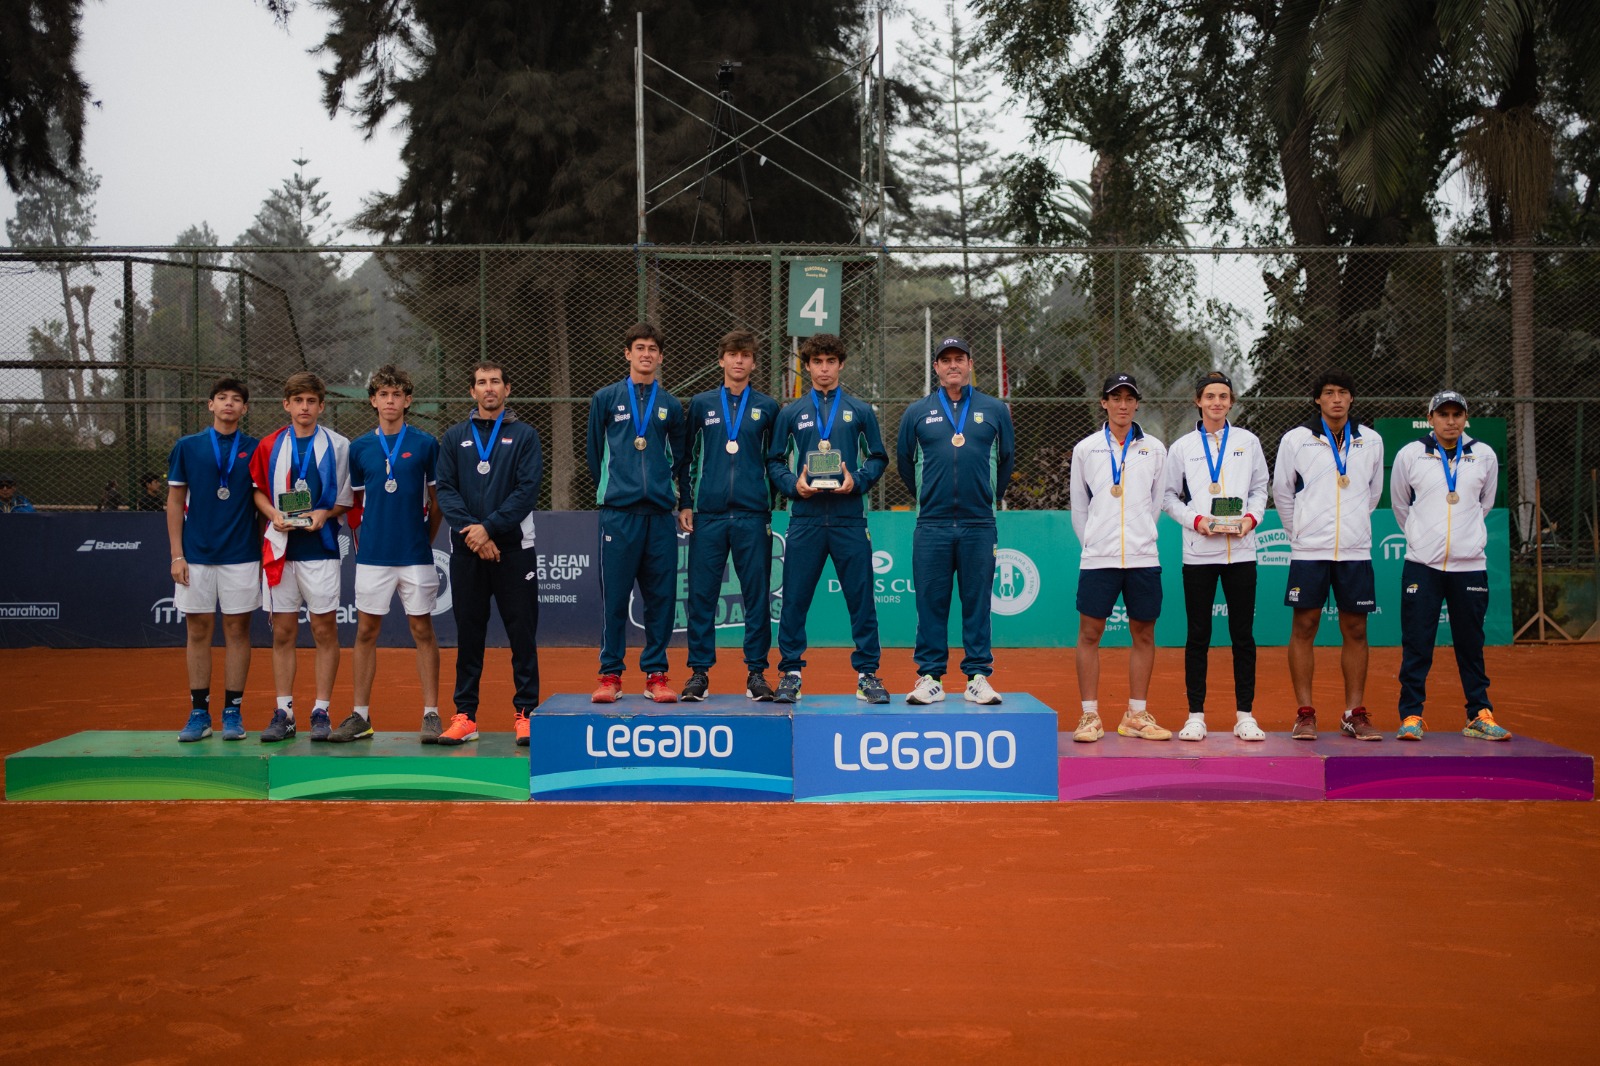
[(929, 689), (1249, 729), (980, 691), (1089, 728), (1193, 729)]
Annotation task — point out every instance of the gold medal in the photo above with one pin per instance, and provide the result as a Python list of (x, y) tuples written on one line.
[(1216, 488), (824, 446), (1452, 496), (1116, 490), (1344, 481), (732, 447), (639, 444), (958, 439)]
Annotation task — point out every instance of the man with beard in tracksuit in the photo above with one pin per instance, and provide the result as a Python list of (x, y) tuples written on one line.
[(727, 513), (954, 453), (827, 523)]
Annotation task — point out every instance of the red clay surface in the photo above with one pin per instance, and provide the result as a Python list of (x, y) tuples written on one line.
[(468, 933)]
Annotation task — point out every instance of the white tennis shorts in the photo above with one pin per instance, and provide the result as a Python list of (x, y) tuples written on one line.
[(376, 585), (309, 583), (232, 586)]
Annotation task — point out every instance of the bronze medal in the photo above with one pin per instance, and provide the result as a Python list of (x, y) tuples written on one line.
[(639, 444), (1116, 490), (958, 439), (1344, 481), (1216, 488), (733, 447), (1452, 496)]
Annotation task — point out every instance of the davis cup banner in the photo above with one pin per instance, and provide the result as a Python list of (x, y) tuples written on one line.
[(102, 580)]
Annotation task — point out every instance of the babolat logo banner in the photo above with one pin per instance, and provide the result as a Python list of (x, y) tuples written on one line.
[(945, 752), (726, 748)]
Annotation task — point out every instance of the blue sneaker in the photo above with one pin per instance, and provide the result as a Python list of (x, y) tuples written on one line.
[(232, 723), (321, 725), (280, 728), (197, 728), (1484, 727)]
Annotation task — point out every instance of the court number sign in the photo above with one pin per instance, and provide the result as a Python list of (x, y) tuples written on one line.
[(814, 296)]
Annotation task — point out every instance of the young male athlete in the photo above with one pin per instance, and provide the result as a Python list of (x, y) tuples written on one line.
[(954, 453), (216, 554), (728, 513), (301, 566), (1442, 489), (1327, 482), (827, 523), (392, 470), (636, 456), (490, 467), (1116, 497), (1218, 471)]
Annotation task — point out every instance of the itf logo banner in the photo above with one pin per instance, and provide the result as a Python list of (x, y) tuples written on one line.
[(945, 752), (726, 748)]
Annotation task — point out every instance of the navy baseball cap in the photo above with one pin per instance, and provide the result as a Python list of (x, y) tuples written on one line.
[(1213, 377), (951, 342), (1121, 381), (1445, 396)]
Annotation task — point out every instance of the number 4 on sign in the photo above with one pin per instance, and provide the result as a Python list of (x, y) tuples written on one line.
[(815, 310)]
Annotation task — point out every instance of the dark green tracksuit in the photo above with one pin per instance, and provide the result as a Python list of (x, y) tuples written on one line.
[(636, 491), (829, 525), (957, 491), (732, 503)]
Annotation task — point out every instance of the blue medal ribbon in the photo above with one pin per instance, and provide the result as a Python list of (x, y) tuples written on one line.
[(1116, 470), (1222, 449), (825, 429), (303, 459), (732, 422), (484, 448), (966, 405), (1340, 462), (1451, 464), (224, 473), (388, 454), (641, 423)]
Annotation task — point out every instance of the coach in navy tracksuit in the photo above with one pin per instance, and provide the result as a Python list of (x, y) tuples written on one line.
[(827, 524), (636, 456), (954, 453), (728, 512), (490, 467)]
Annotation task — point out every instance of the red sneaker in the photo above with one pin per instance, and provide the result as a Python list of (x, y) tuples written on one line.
[(610, 688), (659, 688), (521, 727), (460, 730)]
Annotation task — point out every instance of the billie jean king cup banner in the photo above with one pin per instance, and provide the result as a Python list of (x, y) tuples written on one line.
[(102, 580)]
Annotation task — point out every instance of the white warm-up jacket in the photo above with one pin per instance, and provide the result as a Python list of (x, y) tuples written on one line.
[(1438, 533), (1186, 493), (1324, 521), (1117, 532)]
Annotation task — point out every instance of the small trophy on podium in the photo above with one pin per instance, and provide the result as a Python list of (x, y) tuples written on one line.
[(296, 508), (1227, 515), (825, 469)]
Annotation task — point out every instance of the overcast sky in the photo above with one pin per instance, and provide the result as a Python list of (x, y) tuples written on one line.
[(204, 104)]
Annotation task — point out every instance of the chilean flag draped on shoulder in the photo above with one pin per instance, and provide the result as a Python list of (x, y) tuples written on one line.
[(272, 469)]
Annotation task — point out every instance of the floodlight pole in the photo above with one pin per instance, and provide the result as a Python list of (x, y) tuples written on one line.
[(638, 123)]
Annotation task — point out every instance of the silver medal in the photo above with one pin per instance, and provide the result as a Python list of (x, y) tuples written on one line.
[(301, 486), (824, 446), (223, 493), (391, 485), (483, 467), (733, 447)]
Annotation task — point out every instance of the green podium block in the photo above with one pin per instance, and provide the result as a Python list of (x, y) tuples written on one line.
[(395, 766), (130, 765)]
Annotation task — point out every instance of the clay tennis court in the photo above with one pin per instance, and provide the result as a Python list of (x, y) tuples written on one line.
[(1085, 932)]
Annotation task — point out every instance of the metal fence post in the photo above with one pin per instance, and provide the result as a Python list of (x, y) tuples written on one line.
[(775, 330), (483, 304), (130, 384), (244, 348), (641, 283), (194, 318), (1577, 481), (1116, 311), (1449, 321)]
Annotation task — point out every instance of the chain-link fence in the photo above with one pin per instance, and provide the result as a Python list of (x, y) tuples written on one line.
[(106, 355)]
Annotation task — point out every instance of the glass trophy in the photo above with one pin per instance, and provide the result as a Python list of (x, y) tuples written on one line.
[(825, 470), (1227, 515), (296, 508)]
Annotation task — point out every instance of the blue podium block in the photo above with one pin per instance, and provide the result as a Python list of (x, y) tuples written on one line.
[(846, 751), (726, 748)]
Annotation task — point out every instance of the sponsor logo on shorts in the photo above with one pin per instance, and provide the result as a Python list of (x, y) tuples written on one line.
[(1411, 588), (92, 545), (1294, 594), (1475, 588), (30, 612), (1016, 582)]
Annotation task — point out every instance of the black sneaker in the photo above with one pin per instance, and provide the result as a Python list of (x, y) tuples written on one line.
[(788, 689), (280, 728), (869, 688), (756, 687), (697, 688), (354, 727)]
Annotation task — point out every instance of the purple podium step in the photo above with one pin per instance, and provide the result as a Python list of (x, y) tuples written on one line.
[(1448, 766), (1221, 767)]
